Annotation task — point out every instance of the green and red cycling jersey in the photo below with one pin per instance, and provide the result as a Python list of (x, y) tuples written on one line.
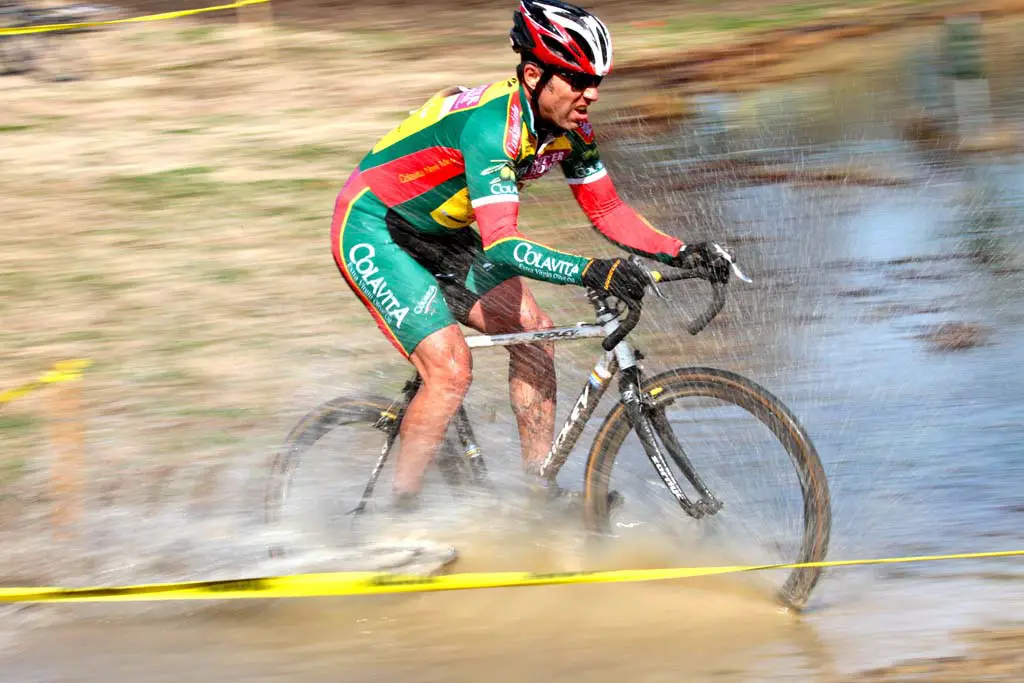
[(464, 156)]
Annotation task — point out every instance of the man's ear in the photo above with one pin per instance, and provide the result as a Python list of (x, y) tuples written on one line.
[(531, 75)]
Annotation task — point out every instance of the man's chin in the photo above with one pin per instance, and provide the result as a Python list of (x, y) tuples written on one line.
[(577, 119)]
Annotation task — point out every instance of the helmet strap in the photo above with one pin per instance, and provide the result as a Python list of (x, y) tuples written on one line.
[(546, 74), (542, 125)]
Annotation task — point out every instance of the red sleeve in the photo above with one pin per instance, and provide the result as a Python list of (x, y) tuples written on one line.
[(497, 220), (614, 219)]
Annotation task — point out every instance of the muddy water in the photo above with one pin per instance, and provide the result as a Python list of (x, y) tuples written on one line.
[(921, 446)]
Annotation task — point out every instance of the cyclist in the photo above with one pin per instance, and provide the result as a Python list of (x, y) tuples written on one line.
[(402, 238)]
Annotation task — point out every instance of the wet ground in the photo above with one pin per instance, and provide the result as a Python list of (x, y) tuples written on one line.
[(888, 318)]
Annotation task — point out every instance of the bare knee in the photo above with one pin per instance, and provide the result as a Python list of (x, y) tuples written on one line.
[(445, 364), (536, 319), (533, 320), (453, 376)]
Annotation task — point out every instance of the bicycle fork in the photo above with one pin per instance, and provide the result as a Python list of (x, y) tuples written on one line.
[(655, 433)]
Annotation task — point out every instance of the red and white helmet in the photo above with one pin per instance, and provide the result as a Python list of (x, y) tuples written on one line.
[(562, 36)]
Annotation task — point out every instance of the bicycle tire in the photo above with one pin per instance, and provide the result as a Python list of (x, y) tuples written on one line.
[(341, 411), (736, 390)]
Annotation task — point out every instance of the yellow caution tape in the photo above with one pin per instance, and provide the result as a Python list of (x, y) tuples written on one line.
[(130, 20), (62, 371), (375, 583)]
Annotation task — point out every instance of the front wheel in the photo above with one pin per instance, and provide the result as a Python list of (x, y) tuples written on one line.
[(740, 455)]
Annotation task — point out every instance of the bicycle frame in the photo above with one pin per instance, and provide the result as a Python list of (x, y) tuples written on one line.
[(620, 359)]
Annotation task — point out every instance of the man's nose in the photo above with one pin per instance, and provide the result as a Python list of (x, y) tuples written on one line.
[(591, 94)]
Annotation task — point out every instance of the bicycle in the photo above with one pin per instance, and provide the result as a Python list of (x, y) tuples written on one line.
[(641, 409), (49, 55)]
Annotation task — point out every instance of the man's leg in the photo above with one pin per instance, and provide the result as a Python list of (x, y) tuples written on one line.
[(510, 307), (402, 298), (446, 367)]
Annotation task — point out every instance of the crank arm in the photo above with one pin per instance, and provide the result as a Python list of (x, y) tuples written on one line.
[(377, 468)]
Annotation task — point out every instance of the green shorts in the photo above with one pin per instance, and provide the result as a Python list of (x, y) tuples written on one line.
[(413, 283)]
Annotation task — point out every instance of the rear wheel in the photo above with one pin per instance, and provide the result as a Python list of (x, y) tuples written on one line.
[(318, 476), (746, 448)]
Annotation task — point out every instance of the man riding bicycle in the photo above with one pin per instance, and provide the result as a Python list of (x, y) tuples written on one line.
[(402, 237)]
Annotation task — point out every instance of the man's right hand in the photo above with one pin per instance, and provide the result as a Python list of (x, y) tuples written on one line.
[(706, 258), (621, 278)]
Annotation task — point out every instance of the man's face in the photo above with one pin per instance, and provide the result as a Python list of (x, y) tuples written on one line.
[(563, 102)]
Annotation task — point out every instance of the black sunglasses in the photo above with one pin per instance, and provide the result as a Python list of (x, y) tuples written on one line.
[(580, 81)]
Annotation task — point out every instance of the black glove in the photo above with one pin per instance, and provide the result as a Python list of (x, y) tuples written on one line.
[(620, 278), (706, 258)]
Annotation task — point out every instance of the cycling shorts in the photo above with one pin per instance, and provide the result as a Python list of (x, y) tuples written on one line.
[(413, 283)]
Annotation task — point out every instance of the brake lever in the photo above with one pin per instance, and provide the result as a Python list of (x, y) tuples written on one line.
[(722, 252), (656, 288), (652, 275)]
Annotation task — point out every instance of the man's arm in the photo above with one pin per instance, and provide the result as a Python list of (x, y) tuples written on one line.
[(490, 143), (611, 216)]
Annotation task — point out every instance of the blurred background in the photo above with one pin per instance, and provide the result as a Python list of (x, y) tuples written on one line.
[(166, 190)]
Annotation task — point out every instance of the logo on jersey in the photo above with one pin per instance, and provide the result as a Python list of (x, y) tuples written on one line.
[(468, 98), (586, 132), (360, 259), (502, 167), (502, 186), (587, 170), (543, 164), (525, 253), (426, 304), (514, 132)]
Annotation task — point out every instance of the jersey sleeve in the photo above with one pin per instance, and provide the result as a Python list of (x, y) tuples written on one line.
[(611, 216), (583, 165), (491, 142)]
